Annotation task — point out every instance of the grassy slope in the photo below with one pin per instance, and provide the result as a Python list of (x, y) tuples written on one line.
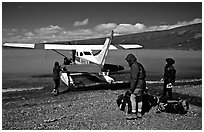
[(186, 37)]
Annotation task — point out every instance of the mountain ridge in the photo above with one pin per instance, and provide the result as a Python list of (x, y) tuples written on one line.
[(186, 38)]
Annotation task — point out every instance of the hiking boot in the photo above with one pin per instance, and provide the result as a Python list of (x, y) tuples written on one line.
[(139, 115), (55, 92), (131, 116), (158, 111)]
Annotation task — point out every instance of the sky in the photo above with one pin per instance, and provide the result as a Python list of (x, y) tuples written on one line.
[(34, 22)]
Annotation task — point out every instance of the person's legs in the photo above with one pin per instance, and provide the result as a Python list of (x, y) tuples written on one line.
[(133, 103), (139, 92), (139, 108), (132, 115), (57, 84), (164, 89), (136, 103), (169, 93)]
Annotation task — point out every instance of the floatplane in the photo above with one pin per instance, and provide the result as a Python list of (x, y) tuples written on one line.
[(82, 54)]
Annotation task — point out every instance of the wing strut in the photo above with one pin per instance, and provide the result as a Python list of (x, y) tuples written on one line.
[(58, 52)]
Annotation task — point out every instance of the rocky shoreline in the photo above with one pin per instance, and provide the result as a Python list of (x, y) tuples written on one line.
[(93, 109)]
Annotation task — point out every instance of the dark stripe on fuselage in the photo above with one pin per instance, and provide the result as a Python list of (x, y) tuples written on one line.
[(83, 61)]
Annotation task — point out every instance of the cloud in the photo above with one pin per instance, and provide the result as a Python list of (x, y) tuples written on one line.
[(9, 32), (48, 30), (103, 27), (129, 28), (29, 34), (76, 34), (184, 23), (178, 24), (120, 28), (82, 23), (57, 33)]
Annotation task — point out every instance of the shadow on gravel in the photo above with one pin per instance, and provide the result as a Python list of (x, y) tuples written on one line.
[(102, 86)]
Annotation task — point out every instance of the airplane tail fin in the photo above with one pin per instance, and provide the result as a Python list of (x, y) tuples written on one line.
[(104, 51)]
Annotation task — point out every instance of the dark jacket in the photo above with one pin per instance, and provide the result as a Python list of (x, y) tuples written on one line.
[(169, 74), (137, 73), (56, 72)]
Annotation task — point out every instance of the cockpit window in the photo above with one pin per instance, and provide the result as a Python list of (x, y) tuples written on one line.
[(87, 53), (81, 54)]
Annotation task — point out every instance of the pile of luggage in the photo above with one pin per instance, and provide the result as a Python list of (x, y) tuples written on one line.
[(178, 106)]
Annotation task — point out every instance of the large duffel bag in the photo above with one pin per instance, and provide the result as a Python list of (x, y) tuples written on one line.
[(124, 103), (173, 106)]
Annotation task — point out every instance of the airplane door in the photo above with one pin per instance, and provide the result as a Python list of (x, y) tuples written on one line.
[(73, 55)]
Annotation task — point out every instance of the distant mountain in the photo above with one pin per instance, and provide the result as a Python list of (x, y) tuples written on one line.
[(186, 38)]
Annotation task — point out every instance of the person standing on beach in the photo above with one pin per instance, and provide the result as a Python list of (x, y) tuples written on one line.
[(169, 77), (137, 86), (56, 78)]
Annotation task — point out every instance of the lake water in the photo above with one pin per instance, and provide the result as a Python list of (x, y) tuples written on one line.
[(27, 62)]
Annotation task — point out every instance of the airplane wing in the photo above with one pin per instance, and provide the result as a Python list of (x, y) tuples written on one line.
[(51, 46)]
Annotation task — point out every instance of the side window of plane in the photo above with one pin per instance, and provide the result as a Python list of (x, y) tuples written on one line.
[(81, 54), (87, 53)]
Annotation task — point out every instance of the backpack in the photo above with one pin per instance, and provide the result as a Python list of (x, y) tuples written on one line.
[(173, 106), (124, 103), (148, 102)]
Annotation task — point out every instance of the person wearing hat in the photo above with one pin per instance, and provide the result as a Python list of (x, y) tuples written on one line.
[(137, 86), (169, 77)]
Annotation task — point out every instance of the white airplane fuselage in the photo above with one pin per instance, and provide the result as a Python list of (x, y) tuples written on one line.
[(81, 55)]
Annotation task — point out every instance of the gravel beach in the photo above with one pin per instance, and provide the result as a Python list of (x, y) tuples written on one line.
[(93, 109)]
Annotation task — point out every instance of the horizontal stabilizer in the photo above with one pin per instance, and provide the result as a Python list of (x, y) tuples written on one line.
[(132, 46)]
